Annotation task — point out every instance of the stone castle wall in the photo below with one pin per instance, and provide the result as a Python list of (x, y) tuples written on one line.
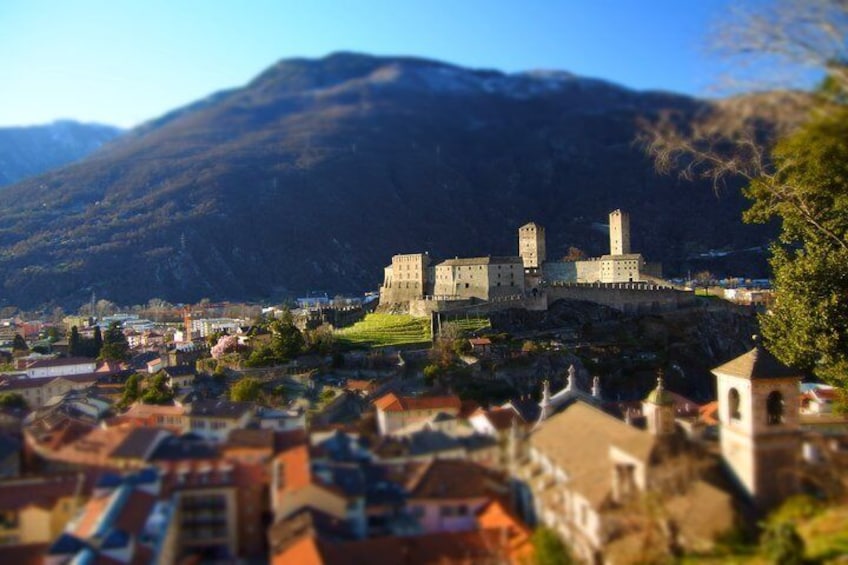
[(625, 297)]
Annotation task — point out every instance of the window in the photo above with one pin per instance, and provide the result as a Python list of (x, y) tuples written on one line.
[(733, 404), (774, 408)]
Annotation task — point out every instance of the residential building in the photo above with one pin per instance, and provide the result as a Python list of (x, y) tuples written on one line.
[(215, 419), (396, 412), (60, 367), (36, 509)]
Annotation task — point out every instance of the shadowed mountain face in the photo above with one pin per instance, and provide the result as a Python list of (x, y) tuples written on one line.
[(30, 151), (315, 173)]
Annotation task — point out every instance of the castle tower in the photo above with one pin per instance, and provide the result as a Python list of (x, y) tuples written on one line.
[(531, 245), (658, 409), (758, 400), (619, 223)]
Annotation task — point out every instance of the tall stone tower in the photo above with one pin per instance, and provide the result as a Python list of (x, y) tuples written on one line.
[(531, 245), (758, 400), (619, 232)]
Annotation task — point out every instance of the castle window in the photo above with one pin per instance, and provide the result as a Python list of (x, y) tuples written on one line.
[(733, 404), (774, 408)]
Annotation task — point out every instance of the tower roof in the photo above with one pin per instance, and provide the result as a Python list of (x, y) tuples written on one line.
[(660, 396), (531, 225), (757, 364)]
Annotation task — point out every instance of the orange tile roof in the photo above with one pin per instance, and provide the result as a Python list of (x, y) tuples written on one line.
[(303, 552), (501, 418), (452, 479), (447, 548), (515, 533), (294, 471), (708, 413), (94, 448), (91, 512), (393, 403)]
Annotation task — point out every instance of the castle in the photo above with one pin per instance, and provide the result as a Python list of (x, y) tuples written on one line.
[(412, 277)]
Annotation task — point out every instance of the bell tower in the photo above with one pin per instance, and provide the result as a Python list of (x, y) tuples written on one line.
[(658, 409), (758, 400)]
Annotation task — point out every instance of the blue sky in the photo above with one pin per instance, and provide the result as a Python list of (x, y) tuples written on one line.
[(125, 61)]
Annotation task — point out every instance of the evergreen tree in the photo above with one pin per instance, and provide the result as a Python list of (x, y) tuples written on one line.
[(74, 343), (132, 390), (19, 344), (98, 342), (115, 346), (286, 340)]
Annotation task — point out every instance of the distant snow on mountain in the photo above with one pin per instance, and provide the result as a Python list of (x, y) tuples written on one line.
[(32, 150)]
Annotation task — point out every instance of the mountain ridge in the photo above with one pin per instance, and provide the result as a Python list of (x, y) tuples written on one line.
[(27, 151), (317, 171)]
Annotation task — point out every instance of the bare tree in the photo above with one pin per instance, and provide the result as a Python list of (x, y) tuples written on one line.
[(735, 138)]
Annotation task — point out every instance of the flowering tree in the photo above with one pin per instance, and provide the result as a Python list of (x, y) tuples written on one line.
[(226, 344)]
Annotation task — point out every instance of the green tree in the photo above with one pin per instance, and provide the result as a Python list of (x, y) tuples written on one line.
[(158, 391), (548, 548), (12, 400), (247, 389), (132, 390), (19, 344), (807, 326), (286, 340), (74, 342), (53, 334), (781, 544), (98, 342), (115, 346)]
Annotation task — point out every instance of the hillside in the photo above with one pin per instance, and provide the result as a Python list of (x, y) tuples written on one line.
[(30, 151), (316, 172)]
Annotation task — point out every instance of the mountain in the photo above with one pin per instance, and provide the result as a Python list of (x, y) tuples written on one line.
[(32, 150), (312, 175)]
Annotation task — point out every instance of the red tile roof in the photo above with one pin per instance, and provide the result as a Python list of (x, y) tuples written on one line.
[(393, 403), (453, 479), (466, 548)]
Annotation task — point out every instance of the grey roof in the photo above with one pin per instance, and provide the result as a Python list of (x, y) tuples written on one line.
[(180, 371), (140, 443), (578, 440), (187, 446), (757, 364), (219, 408), (489, 260)]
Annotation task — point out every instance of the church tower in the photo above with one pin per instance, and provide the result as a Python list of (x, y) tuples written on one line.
[(531, 245), (758, 400), (619, 223), (658, 409)]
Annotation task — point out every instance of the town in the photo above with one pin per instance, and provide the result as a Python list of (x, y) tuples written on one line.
[(475, 410)]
